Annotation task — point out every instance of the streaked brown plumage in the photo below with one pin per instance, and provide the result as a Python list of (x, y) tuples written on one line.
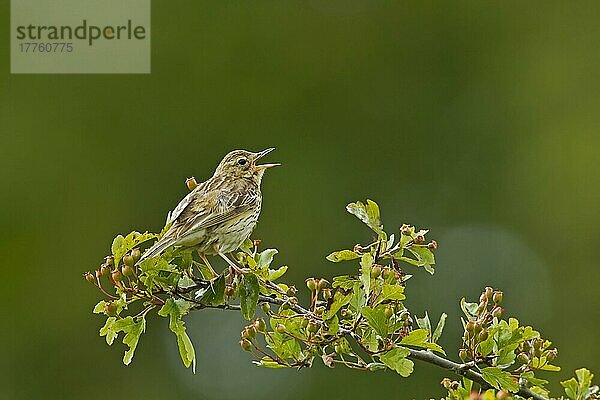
[(220, 213)]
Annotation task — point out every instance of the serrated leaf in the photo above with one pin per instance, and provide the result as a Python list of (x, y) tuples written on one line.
[(367, 213), (175, 309), (132, 330), (266, 257), (396, 360), (215, 293), (122, 245), (469, 309), (418, 338), (366, 262), (99, 308), (339, 300), (345, 282), (391, 292), (439, 328), (249, 290), (376, 318), (342, 255), (275, 274), (500, 379)]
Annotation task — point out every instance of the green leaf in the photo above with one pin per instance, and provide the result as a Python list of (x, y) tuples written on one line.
[(275, 274), (266, 257), (132, 329), (418, 338), (424, 322), (345, 282), (339, 300), (367, 213), (122, 245), (342, 255), (175, 310), (215, 293), (439, 329), (376, 318), (249, 290), (153, 270), (500, 379), (396, 360), (424, 257), (99, 308), (530, 377), (470, 309), (391, 292), (366, 262)]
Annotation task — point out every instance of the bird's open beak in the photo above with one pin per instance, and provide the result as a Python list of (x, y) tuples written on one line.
[(262, 154)]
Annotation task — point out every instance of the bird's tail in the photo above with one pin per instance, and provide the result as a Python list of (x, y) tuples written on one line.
[(157, 248)]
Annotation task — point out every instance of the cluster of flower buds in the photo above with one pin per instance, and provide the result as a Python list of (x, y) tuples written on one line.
[(117, 275), (476, 329), (535, 348)]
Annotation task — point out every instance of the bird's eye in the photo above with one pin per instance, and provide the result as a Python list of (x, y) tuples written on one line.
[(242, 161)]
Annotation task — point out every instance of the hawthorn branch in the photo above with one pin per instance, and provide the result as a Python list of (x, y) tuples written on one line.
[(419, 355)]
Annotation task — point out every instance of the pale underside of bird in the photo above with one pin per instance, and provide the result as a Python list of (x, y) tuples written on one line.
[(219, 214)]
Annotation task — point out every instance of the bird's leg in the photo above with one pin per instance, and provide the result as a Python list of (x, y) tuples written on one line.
[(203, 257), (231, 263)]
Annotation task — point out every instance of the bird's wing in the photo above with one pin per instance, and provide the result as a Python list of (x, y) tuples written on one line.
[(183, 204), (215, 207)]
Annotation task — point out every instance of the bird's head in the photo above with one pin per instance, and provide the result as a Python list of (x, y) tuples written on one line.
[(243, 164)]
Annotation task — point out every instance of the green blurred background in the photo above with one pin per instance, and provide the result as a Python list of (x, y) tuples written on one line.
[(478, 120)]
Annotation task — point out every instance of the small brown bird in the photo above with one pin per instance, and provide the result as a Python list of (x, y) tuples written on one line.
[(219, 214)]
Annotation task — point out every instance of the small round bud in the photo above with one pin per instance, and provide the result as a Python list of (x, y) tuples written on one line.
[(280, 328), (256, 242), (311, 284), (497, 312), (128, 260), (433, 245), (386, 273), (246, 344), (109, 260), (388, 312), (104, 270), (89, 277), (249, 332), (291, 291), (260, 325), (522, 358), (446, 383), (312, 326), (470, 327), (319, 310), (498, 298), (375, 271), (266, 307), (127, 270), (136, 254), (551, 354), (489, 292), (420, 239), (404, 316), (322, 284), (477, 327), (463, 354), (483, 335), (116, 275), (191, 183), (327, 294), (502, 395), (537, 344), (229, 291), (110, 309), (454, 385)]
